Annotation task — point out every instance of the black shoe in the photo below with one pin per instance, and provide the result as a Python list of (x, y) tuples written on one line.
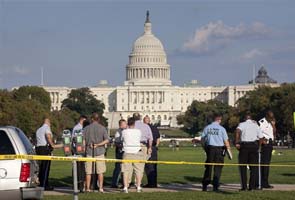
[(243, 189), (204, 188), (215, 189), (268, 186), (255, 188), (49, 188)]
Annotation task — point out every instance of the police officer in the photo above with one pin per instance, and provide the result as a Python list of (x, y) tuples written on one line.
[(247, 139), (268, 128), (214, 140), (119, 152), (44, 146), (151, 169)]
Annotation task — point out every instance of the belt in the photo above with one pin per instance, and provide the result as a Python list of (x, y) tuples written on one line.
[(216, 147), (255, 142), (42, 146)]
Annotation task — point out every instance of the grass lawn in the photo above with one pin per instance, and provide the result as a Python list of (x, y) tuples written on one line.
[(61, 175), (270, 195)]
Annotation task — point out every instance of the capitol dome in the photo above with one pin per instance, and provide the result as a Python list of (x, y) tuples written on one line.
[(147, 60)]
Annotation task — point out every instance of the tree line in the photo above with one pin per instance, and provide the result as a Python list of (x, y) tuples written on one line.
[(281, 100), (27, 106)]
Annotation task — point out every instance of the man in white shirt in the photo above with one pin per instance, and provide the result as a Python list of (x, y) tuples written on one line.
[(248, 138), (268, 128), (132, 151), (44, 146)]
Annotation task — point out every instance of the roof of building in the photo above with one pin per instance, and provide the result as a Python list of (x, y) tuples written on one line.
[(147, 42), (262, 77)]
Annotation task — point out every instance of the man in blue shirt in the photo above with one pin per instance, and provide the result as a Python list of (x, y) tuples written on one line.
[(78, 128), (119, 152), (214, 140)]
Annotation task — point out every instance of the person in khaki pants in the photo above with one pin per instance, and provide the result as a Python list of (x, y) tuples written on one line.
[(132, 151)]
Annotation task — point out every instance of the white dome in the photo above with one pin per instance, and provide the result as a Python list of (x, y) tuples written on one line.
[(147, 43), (147, 60)]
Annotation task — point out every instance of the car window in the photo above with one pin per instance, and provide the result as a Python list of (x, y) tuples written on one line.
[(5, 144), (28, 145)]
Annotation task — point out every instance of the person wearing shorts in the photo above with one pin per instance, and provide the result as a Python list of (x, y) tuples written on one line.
[(95, 138)]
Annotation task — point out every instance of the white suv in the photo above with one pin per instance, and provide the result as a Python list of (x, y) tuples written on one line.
[(18, 178)]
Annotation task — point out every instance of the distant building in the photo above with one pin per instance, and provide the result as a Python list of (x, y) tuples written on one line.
[(263, 78), (148, 88)]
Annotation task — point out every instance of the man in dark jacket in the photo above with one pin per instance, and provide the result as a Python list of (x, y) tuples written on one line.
[(151, 169)]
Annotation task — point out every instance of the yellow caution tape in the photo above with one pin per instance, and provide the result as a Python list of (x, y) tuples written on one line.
[(90, 159)]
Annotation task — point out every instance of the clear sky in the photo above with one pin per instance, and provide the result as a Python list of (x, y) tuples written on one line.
[(78, 43)]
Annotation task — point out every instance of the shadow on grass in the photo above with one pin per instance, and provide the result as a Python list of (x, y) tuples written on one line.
[(188, 180), (193, 179), (226, 192), (66, 181), (288, 174)]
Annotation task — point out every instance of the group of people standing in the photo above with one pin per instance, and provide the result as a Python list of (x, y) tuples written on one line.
[(137, 139), (134, 140), (253, 140)]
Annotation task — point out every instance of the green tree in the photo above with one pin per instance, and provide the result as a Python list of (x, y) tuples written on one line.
[(29, 116), (33, 93), (84, 102), (7, 108), (200, 114), (281, 100), (257, 102), (63, 119)]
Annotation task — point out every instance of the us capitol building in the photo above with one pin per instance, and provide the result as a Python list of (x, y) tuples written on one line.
[(149, 90)]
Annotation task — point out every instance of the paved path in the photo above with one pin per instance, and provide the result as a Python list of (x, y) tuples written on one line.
[(175, 188)]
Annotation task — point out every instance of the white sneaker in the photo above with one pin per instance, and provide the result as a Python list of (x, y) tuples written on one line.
[(139, 189), (125, 190)]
